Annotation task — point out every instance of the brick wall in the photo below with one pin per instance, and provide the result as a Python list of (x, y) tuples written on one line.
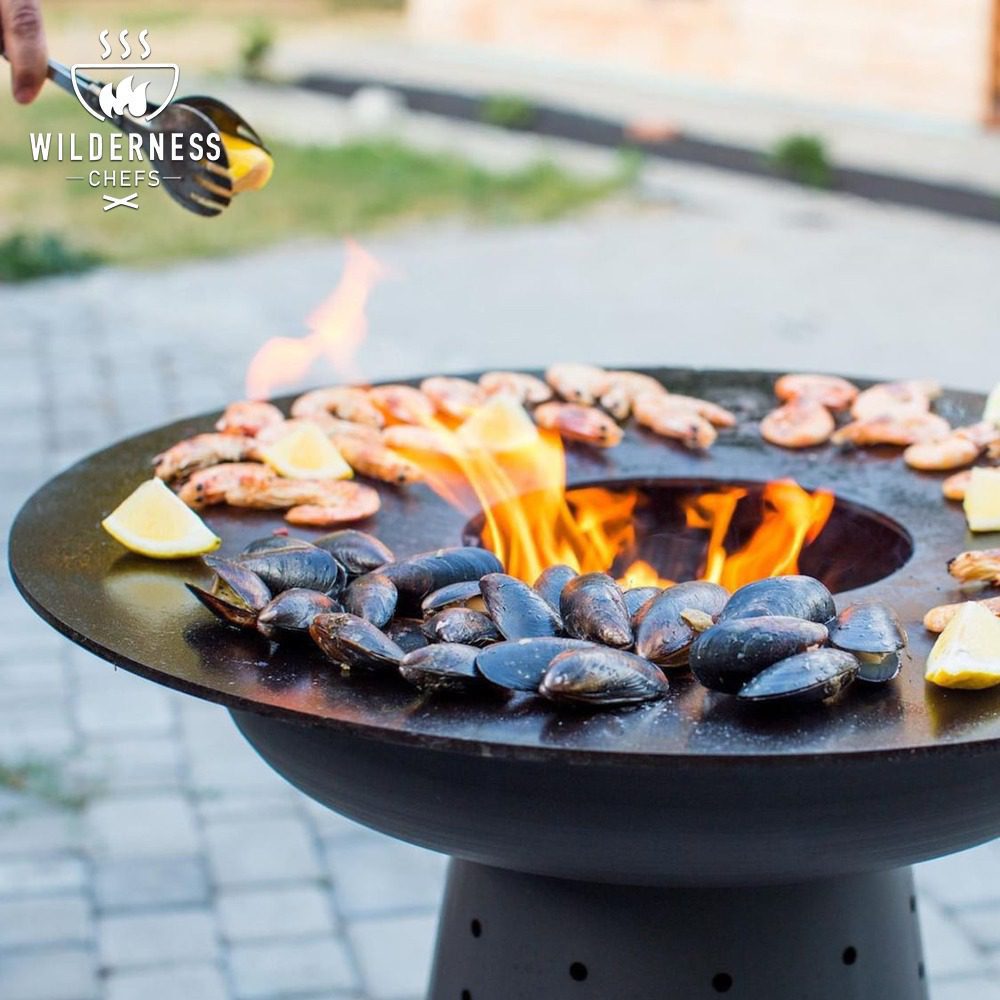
[(928, 57)]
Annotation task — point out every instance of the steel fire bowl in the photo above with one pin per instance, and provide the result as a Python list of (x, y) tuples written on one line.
[(694, 790)]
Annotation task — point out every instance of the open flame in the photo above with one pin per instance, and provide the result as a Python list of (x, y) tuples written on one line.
[(337, 328)]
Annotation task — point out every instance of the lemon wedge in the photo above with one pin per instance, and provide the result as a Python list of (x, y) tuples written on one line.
[(306, 453), (500, 424), (967, 653), (992, 411), (155, 522), (982, 500), (250, 167)]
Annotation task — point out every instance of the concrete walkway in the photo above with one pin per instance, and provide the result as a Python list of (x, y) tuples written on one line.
[(151, 854)]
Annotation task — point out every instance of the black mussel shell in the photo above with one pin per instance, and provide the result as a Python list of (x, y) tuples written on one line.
[(462, 626), (786, 596), (270, 542), (602, 676), (551, 581), (517, 611), (637, 597), (291, 613), (237, 595), (372, 597), (451, 595), (352, 641), (445, 666), (521, 663), (357, 551), (878, 668), (593, 608), (407, 633), (732, 652), (297, 566), (661, 633), (417, 576), (868, 628), (806, 677)]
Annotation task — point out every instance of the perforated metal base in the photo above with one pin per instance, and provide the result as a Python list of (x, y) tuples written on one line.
[(506, 935)]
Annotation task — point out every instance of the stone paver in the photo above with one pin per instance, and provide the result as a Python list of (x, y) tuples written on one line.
[(170, 860)]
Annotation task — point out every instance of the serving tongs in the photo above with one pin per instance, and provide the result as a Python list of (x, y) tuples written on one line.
[(204, 186)]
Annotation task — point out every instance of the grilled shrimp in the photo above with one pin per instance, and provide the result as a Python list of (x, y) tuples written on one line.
[(248, 417), (338, 500), (199, 452), (717, 416), (526, 389), (985, 433), (901, 430), (623, 388), (374, 459), (331, 426), (937, 619), (347, 402), (578, 383), (956, 486), (344, 502), (800, 423), (454, 397), (408, 437), (209, 486), (831, 391), (663, 417), (951, 452), (403, 404), (976, 566), (895, 399), (579, 423)]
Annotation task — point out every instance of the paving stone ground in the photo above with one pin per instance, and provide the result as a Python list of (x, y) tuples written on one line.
[(151, 854)]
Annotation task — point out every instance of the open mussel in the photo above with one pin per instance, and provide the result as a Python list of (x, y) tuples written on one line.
[(289, 615), (551, 582), (463, 626), (296, 566), (353, 642), (807, 677), (237, 595), (663, 632), (357, 551), (407, 633), (637, 597), (875, 635), (518, 611), (602, 676), (465, 592), (786, 596), (593, 608), (443, 667), (520, 664), (417, 576), (732, 652), (372, 597)]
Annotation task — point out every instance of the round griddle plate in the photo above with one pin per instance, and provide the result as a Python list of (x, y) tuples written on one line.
[(136, 613)]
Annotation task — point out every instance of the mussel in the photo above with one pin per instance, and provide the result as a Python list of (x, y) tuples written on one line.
[(291, 566), (637, 597), (732, 652), (875, 635), (237, 595), (270, 542), (372, 597), (593, 608), (786, 596), (602, 676), (353, 642), (417, 576), (551, 581), (407, 633), (463, 626), (517, 611), (445, 666), (289, 615), (521, 663), (357, 551), (812, 676), (662, 632), (464, 592)]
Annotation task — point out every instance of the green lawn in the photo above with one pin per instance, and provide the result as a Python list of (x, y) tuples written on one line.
[(355, 188)]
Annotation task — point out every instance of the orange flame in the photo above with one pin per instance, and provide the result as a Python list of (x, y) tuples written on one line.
[(337, 328)]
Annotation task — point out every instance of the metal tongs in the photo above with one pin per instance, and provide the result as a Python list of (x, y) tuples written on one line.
[(204, 186)]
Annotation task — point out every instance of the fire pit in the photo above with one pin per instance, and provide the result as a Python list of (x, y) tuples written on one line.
[(689, 848)]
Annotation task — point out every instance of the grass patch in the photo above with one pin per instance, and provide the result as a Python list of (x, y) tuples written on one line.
[(804, 159), (508, 111), (24, 256), (257, 44), (41, 780), (352, 189)]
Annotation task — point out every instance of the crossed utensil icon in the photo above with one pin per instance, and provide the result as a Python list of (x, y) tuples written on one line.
[(129, 201)]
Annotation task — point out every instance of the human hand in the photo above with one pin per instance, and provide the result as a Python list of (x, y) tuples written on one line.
[(23, 43)]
